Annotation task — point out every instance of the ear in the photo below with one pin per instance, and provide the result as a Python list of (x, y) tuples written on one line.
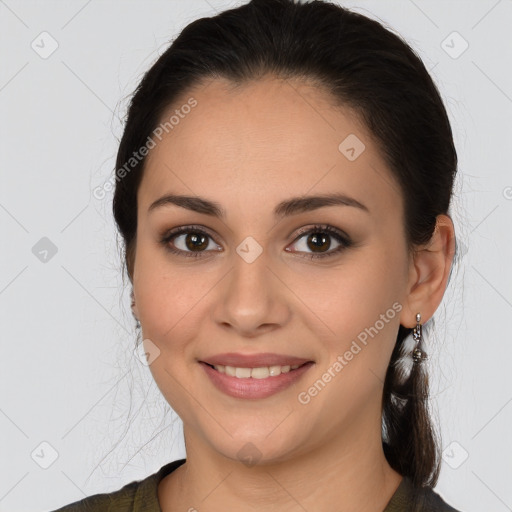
[(135, 311), (428, 273)]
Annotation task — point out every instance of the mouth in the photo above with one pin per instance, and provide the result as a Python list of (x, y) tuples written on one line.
[(260, 372), (254, 377)]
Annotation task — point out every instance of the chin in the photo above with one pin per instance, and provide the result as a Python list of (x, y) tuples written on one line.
[(257, 449)]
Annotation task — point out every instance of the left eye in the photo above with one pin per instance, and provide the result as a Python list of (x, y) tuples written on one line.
[(318, 240)]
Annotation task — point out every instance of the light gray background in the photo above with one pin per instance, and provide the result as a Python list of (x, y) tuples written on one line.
[(67, 368)]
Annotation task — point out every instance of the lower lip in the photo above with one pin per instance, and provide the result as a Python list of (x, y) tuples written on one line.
[(254, 388)]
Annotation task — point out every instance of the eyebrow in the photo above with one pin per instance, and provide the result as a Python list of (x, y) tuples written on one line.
[(286, 208)]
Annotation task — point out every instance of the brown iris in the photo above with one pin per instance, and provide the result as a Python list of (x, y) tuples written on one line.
[(196, 241), (318, 241)]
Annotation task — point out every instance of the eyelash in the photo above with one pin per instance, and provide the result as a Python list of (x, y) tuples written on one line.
[(343, 240)]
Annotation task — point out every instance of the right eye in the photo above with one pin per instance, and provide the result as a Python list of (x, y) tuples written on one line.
[(187, 241)]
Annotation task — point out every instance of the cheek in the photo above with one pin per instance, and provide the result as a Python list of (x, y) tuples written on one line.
[(169, 304), (169, 298), (347, 299), (170, 308), (365, 315)]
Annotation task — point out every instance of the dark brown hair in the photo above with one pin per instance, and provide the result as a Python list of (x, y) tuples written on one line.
[(364, 66)]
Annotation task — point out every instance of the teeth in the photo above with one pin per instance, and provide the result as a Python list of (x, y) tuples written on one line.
[(256, 373), (259, 373), (242, 373)]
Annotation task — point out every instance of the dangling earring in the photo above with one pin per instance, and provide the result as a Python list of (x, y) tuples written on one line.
[(418, 355), (137, 323), (138, 332)]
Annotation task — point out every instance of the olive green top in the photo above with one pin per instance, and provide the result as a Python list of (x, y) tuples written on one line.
[(142, 496)]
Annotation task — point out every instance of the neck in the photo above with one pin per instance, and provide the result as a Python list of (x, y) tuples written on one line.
[(340, 475)]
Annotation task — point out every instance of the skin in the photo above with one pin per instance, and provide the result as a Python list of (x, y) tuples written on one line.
[(248, 149)]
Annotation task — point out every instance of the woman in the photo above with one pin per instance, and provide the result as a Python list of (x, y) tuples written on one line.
[(282, 189)]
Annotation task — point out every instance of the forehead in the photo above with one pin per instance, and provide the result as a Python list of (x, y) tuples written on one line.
[(272, 138)]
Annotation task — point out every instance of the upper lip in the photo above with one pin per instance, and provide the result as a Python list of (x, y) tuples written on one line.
[(254, 360)]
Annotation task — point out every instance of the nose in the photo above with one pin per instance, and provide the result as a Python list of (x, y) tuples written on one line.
[(252, 299)]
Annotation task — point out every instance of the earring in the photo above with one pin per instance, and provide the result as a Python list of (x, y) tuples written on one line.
[(418, 355), (137, 323)]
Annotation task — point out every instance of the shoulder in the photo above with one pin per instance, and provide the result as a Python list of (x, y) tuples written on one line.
[(121, 500), (136, 496), (417, 499), (432, 501)]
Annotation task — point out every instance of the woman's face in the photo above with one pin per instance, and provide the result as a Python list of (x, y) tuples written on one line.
[(261, 280)]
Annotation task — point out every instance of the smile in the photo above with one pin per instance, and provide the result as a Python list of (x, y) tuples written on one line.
[(254, 382), (255, 373)]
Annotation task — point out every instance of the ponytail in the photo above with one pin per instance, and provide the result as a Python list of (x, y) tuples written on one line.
[(409, 440)]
